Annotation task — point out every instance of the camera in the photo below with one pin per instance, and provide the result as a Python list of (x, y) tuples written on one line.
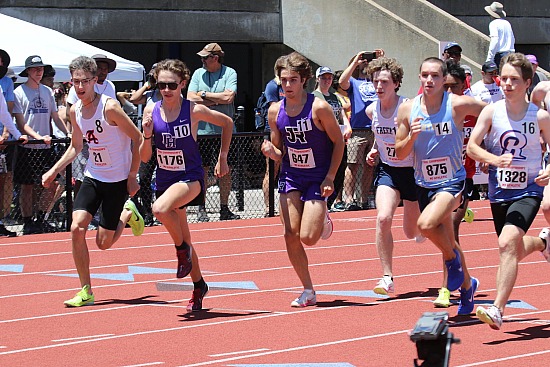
[(433, 340), (369, 56), (152, 81)]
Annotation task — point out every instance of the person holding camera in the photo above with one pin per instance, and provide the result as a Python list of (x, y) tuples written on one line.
[(355, 81), (148, 93)]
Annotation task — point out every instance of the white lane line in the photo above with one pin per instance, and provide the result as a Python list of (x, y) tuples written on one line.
[(517, 356), (81, 337), (238, 352)]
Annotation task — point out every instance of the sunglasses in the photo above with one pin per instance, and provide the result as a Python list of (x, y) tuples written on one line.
[(454, 53), (206, 57), (171, 86)]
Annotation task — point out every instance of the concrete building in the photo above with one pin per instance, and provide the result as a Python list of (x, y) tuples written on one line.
[(254, 33)]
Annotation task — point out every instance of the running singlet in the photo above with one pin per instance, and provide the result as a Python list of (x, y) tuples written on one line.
[(110, 148), (438, 148), (521, 139), (178, 157), (469, 163), (308, 149), (384, 132)]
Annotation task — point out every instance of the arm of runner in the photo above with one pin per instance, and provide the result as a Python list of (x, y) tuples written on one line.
[(70, 154), (325, 116), (273, 149), (115, 115), (145, 149), (406, 133), (543, 118), (474, 149), (203, 113)]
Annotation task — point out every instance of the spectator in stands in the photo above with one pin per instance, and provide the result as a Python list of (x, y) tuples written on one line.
[(361, 93), (273, 93), (468, 82), (500, 31), (325, 79), (488, 88), (179, 180), (305, 129), (215, 86), (33, 110), (8, 152), (111, 172), (7, 129), (148, 93), (452, 51), (538, 76)]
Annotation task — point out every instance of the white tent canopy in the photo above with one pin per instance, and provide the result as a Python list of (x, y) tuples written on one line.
[(56, 49)]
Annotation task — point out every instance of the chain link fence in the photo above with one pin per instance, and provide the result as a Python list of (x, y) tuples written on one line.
[(252, 193)]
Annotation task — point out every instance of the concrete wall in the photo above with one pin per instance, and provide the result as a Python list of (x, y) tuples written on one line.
[(143, 21), (331, 32)]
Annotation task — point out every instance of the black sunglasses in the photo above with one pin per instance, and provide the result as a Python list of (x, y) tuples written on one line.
[(171, 86), (206, 57), (454, 53)]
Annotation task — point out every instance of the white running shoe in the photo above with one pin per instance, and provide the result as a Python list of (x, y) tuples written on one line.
[(307, 298), (544, 236), (327, 228), (384, 286), (490, 315)]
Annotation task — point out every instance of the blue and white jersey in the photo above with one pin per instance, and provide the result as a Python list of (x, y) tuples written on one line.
[(521, 139), (384, 132), (438, 148)]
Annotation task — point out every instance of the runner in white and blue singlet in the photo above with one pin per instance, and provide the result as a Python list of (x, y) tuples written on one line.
[(511, 130), (431, 126), (173, 124)]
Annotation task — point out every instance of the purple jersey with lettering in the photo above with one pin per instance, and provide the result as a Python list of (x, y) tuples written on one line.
[(178, 157), (308, 149)]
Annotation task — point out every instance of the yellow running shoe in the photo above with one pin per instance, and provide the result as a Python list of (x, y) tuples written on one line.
[(82, 298), (443, 300), (136, 220)]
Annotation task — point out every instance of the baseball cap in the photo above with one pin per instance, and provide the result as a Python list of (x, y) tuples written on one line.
[(451, 45), (323, 70), (489, 66), (532, 59), (467, 69), (34, 61), (210, 49)]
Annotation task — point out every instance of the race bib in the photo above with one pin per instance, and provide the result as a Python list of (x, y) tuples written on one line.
[(99, 157), (171, 160), (436, 169), (389, 148), (301, 158), (513, 177)]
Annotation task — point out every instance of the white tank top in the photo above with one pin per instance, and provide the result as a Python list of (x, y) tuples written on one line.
[(384, 132), (110, 149)]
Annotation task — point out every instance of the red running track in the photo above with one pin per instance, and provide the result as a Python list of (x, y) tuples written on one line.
[(248, 320)]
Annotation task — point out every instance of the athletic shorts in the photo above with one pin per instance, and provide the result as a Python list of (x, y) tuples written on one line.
[(359, 145), (468, 192), (520, 213), (425, 195), (198, 200), (31, 164), (110, 195), (398, 178), (310, 189)]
